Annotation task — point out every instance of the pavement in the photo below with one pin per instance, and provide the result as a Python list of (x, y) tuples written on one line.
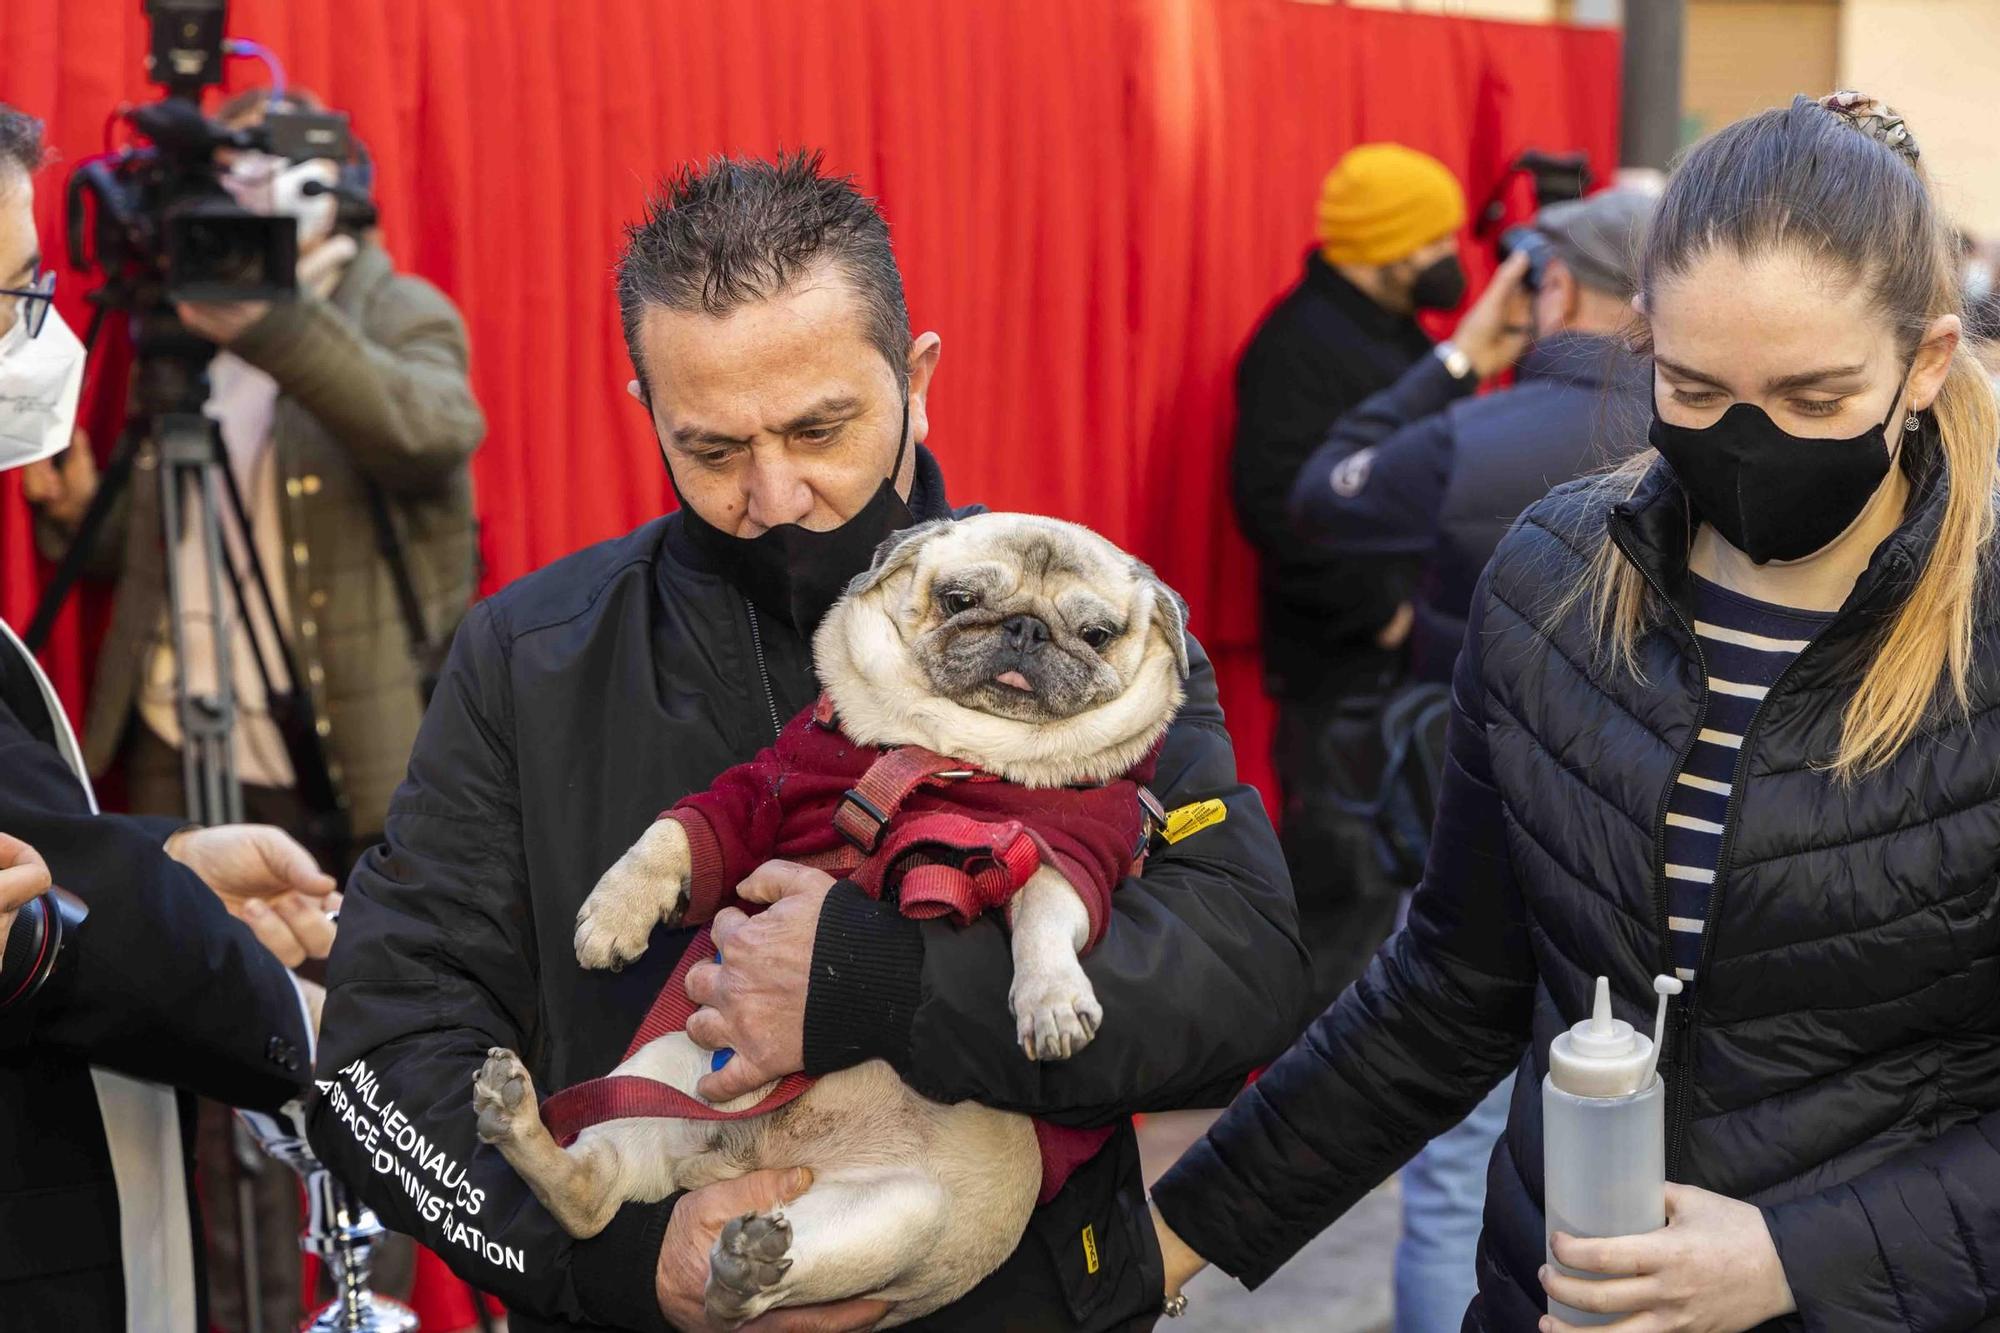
[(1339, 1283)]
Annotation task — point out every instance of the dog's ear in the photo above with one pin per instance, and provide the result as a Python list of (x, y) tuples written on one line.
[(1170, 614), (895, 554)]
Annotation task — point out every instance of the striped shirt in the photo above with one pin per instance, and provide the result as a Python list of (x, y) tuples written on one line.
[(1748, 644)]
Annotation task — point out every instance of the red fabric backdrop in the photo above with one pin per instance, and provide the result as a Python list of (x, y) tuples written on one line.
[(1093, 201)]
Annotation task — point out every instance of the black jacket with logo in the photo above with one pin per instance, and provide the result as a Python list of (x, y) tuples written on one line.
[(1323, 349), (1837, 1063), (581, 701)]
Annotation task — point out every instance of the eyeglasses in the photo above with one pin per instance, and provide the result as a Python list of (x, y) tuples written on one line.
[(37, 299)]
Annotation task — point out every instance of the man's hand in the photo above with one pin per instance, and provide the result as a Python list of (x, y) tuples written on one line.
[(268, 882), (62, 487), (24, 877), (221, 322), (682, 1275), (754, 1001), (1711, 1269), (1495, 331)]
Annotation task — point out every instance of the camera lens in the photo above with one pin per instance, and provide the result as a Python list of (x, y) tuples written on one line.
[(37, 944)]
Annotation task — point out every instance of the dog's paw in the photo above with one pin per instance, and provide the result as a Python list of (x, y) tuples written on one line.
[(750, 1259), (647, 885), (503, 1095), (1055, 1013)]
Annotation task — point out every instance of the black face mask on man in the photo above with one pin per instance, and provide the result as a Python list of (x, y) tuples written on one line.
[(1439, 286), (794, 573), (1771, 494)]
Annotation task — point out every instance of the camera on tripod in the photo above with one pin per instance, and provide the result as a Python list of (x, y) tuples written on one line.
[(156, 222)]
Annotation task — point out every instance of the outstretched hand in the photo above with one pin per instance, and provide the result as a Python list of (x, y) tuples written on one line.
[(268, 882), (754, 1001)]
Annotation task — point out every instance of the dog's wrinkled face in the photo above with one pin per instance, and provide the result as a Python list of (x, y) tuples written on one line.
[(1024, 618), (1033, 635)]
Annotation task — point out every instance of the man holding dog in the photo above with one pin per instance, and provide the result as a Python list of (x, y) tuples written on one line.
[(765, 316)]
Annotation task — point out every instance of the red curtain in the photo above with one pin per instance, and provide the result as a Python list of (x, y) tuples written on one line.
[(1093, 201)]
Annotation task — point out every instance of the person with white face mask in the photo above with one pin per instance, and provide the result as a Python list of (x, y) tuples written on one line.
[(172, 978), (348, 423)]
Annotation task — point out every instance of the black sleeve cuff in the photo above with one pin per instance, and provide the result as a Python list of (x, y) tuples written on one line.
[(613, 1272), (867, 978)]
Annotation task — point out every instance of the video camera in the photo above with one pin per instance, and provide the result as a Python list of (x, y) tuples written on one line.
[(1557, 178), (1527, 237), (156, 222)]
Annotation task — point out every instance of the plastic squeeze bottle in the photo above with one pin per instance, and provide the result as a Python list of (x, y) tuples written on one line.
[(1604, 1133)]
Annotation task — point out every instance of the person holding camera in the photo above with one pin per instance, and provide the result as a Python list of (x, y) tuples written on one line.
[(158, 969), (349, 423), (1425, 470), (1334, 626)]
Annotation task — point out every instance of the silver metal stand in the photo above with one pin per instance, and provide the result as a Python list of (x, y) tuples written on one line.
[(191, 460), (340, 1229)]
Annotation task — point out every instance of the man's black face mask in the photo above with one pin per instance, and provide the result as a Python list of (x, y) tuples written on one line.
[(1439, 285), (1771, 494), (792, 573)]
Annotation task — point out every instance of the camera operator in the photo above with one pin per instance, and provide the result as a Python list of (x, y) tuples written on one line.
[(122, 1000), (349, 423), (348, 417)]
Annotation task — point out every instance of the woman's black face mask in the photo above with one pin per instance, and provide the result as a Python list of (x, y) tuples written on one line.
[(1771, 494)]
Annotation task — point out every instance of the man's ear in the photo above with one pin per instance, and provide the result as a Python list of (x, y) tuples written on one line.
[(634, 388), (1170, 614), (925, 349), (896, 554)]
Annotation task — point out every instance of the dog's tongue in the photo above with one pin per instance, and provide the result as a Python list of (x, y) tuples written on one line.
[(1014, 678)]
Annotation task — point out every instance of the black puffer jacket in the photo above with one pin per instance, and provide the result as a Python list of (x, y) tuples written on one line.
[(1839, 1064)]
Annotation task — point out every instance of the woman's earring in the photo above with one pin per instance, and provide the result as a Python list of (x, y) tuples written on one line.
[(1910, 422)]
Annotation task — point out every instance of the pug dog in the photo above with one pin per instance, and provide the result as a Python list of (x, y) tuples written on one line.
[(1026, 648)]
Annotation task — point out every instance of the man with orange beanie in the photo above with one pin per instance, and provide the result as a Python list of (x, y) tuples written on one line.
[(1334, 626)]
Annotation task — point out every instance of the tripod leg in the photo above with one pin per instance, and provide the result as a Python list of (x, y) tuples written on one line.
[(117, 476)]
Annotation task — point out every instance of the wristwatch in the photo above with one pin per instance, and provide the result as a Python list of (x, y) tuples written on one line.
[(1456, 363), (1174, 1306)]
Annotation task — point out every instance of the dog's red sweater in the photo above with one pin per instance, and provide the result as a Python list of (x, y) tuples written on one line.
[(941, 838), (938, 837)]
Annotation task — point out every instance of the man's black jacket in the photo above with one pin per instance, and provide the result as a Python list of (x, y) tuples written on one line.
[(164, 987), (1321, 350), (581, 701), (1447, 474)]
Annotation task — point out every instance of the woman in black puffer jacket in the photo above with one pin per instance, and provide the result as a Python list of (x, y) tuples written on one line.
[(1731, 711)]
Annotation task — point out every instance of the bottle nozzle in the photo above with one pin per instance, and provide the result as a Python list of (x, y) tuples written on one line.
[(1600, 1009), (1663, 986)]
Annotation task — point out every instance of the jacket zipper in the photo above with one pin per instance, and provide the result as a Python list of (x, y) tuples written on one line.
[(1674, 1059), (1679, 1094), (763, 671)]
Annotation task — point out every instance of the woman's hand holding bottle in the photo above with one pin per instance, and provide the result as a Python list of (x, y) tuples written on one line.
[(1712, 1269)]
